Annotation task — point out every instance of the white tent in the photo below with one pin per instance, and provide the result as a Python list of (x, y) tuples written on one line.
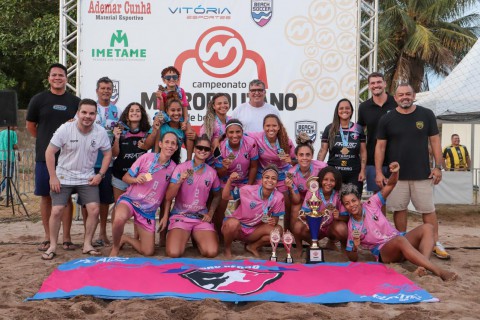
[(459, 93)]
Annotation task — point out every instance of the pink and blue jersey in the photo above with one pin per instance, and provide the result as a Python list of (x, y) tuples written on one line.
[(334, 199), (268, 154), (241, 164), (181, 95), (253, 207), (300, 181), (193, 193), (147, 197), (218, 128), (375, 229)]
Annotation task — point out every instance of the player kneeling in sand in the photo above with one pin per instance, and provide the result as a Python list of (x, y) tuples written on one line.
[(369, 228), (148, 178), (258, 212)]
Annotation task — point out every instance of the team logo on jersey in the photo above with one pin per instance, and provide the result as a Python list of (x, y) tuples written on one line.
[(309, 127), (167, 177), (261, 11), (419, 125), (242, 282), (260, 150), (252, 204), (207, 182), (301, 187), (93, 143), (246, 155)]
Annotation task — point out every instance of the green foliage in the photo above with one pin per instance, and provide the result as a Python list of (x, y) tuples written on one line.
[(28, 44), (419, 36)]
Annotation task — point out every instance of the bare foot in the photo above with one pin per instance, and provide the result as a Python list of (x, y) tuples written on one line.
[(114, 252), (421, 271), (448, 275), (253, 251)]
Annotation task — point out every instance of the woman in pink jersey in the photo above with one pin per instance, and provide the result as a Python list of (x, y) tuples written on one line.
[(258, 213), (191, 185), (304, 169), (275, 147), (237, 153), (369, 229), (148, 178), (216, 118), (335, 227)]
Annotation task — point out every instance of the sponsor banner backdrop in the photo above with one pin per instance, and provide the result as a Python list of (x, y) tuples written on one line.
[(304, 51)]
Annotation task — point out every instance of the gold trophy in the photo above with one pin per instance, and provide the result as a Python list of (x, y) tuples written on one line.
[(315, 220), (287, 243), (274, 240)]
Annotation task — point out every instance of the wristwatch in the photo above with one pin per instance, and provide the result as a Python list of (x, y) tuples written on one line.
[(101, 174), (439, 166)]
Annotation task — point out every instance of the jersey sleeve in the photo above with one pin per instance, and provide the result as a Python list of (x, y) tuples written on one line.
[(325, 134), (444, 153), (33, 112), (135, 168), (382, 128), (105, 141), (432, 128), (176, 174), (216, 183), (361, 117), (292, 150), (253, 153), (349, 246), (184, 98)]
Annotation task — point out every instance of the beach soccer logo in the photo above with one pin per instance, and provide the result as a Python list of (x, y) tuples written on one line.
[(115, 92), (309, 127), (262, 11), (236, 281)]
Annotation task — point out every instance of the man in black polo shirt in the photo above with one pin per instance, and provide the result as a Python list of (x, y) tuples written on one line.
[(369, 113)]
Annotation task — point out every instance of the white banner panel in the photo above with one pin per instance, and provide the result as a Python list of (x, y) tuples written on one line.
[(305, 51)]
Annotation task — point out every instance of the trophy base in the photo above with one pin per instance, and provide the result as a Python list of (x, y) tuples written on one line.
[(272, 258), (315, 255), (289, 260)]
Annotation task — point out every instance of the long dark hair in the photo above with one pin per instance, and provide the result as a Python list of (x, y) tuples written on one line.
[(334, 129), (144, 124), (176, 155), (282, 134)]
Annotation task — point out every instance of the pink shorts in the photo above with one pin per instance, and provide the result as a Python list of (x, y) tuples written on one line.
[(280, 185), (138, 219), (179, 221)]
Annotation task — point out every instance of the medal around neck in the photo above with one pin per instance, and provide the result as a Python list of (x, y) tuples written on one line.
[(287, 243), (274, 241), (315, 220)]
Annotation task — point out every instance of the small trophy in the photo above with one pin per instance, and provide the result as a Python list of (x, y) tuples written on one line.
[(190, 173), (274, 240), (315, 220), (160, 117), (281, 153), (287, 243)]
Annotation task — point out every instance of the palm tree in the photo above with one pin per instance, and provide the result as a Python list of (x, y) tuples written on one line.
[(420, 36)]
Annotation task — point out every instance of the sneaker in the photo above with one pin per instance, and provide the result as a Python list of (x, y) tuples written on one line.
[(440, 252)]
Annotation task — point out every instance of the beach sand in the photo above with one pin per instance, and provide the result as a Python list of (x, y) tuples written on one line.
[(22, 273)]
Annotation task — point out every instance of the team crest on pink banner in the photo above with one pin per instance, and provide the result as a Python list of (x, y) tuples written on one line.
[(230, 281)]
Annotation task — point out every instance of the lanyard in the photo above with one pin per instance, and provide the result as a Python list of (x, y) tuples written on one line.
[(221, 125), (345, 137), (355, 223), (308, 172), (332, 196), (199, 167), (152, 168), (269, 201), (277, 145), (230, 150)]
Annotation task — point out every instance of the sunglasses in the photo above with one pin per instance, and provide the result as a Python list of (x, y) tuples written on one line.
[(257, 90), (202, 148), (168, 78)]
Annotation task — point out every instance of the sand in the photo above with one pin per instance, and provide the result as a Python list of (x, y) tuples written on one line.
[(22, 273)]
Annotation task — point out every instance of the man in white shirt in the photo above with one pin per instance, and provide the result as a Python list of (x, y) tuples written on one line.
[(251, 113), (78, 142)]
